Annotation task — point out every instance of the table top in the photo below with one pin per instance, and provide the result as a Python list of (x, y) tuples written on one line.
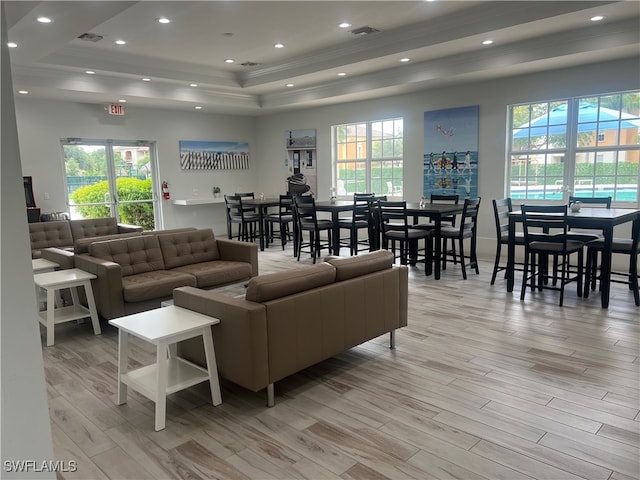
[(62, 277), (163, 323), (39, 264)]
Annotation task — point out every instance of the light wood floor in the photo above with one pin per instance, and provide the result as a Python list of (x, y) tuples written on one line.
[(480, 385)]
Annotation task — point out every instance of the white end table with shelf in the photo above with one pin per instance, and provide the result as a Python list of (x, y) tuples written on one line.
[(164, 327), (71, 278)]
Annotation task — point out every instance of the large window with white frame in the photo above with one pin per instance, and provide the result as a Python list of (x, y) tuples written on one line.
[(585, 146), (368, 157)]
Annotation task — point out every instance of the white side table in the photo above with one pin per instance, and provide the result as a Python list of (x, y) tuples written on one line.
[(42, 265), (71, 278), (163, 327)]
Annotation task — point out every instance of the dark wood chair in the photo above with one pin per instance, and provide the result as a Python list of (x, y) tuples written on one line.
[(545, 235), (359, 220), (501, 209), (307, 220), (283, 218), (395, 227), (245, 218), (467, 229)]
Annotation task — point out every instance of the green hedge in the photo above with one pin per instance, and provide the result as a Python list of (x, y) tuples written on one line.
[(127, 189)]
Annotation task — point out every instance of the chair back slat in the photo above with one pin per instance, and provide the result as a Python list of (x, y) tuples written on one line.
[(545, 223), (501, 210), (592, 201)]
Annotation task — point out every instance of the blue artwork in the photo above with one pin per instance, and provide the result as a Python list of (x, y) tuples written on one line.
[(450, 162), (205, 155)]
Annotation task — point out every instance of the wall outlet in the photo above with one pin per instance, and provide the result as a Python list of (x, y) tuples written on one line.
[(46, 196), (195, 192)]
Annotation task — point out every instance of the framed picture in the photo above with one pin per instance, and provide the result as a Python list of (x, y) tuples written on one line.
[(450, 161), (205, 155)]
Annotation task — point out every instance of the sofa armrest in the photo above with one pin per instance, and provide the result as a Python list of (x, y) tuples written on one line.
[(233, 250), (124, 228), (107, 287), (240, 339), (64, 258)]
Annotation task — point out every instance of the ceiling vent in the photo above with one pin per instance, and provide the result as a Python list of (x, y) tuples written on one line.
[(362, 31), (90, 37), (249, 64)]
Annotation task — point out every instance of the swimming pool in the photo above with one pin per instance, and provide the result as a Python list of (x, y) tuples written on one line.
[(624, 193)]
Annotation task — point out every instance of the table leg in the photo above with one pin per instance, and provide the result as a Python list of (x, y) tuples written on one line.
[(123, 355), (437, 248), (212, 366), (161, 391), (92, 308), (511, 254), (336, 232), (51, 315), (261, 227), (605, 267)]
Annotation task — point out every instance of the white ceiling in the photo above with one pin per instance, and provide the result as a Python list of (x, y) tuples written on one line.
[(441, 38)]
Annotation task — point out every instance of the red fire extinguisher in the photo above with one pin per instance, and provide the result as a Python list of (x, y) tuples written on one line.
[(165, 190)]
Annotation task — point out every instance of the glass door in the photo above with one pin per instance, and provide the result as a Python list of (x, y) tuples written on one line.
[(111, 179)]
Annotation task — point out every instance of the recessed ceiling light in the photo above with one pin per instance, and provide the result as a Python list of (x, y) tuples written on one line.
[(44, 19), (146, 79), (289, 85), (597, 18), (23, 92), (405, 60), (122, 100), (198, 107), (12, 44), (193, 84), (344, 25), (89, 72), (278, 45), (341, 74), (487, 42), (120, 42), (229, 60), (163, 20)]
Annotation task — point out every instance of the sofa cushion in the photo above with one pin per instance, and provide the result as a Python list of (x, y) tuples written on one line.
[(82, 245), (50, 234), (349, 267), (275, 285), (186, 248), (218, 272), (93, 227), (134, 254), (154, 284)]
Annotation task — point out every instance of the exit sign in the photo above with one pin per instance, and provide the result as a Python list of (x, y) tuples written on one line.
[(115, 109)]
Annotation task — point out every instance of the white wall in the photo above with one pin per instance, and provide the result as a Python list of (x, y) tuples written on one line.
[(42, 124), (26, 431)]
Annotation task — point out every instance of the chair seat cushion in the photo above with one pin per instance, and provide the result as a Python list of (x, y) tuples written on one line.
[(618, 245), (154, 284), (412, 233), (448, 231), (553, 247), (322, 225), (218, 272), (519, 238)]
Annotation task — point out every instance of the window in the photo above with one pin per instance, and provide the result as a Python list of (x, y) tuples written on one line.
[(368, 157), (109, 179), (587, 146)]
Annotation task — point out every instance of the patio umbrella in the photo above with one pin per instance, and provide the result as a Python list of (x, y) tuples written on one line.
[(590, 118)]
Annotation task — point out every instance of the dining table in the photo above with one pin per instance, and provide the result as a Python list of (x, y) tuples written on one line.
[(592, 218)]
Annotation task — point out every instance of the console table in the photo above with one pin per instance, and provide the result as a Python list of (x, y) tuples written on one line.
[(164, 327)]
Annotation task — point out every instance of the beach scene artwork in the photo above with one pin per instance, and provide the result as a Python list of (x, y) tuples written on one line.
[(213, 155)]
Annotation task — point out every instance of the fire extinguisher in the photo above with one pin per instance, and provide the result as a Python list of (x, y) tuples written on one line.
[(165, 190)]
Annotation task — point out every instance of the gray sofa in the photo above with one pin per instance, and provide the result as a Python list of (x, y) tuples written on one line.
[(138, 273), (291, 320), (75, 235)]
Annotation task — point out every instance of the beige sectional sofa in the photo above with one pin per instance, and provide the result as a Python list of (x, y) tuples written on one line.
[(138, 273), (291, 320), (75, 235)]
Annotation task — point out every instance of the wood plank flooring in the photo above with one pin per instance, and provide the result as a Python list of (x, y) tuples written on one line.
[(480, 386)]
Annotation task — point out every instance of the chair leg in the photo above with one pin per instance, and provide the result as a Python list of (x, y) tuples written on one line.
[(525, 277), (496, 263), (462, 262)]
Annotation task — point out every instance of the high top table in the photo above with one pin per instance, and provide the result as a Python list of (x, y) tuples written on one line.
[(603, 219)]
